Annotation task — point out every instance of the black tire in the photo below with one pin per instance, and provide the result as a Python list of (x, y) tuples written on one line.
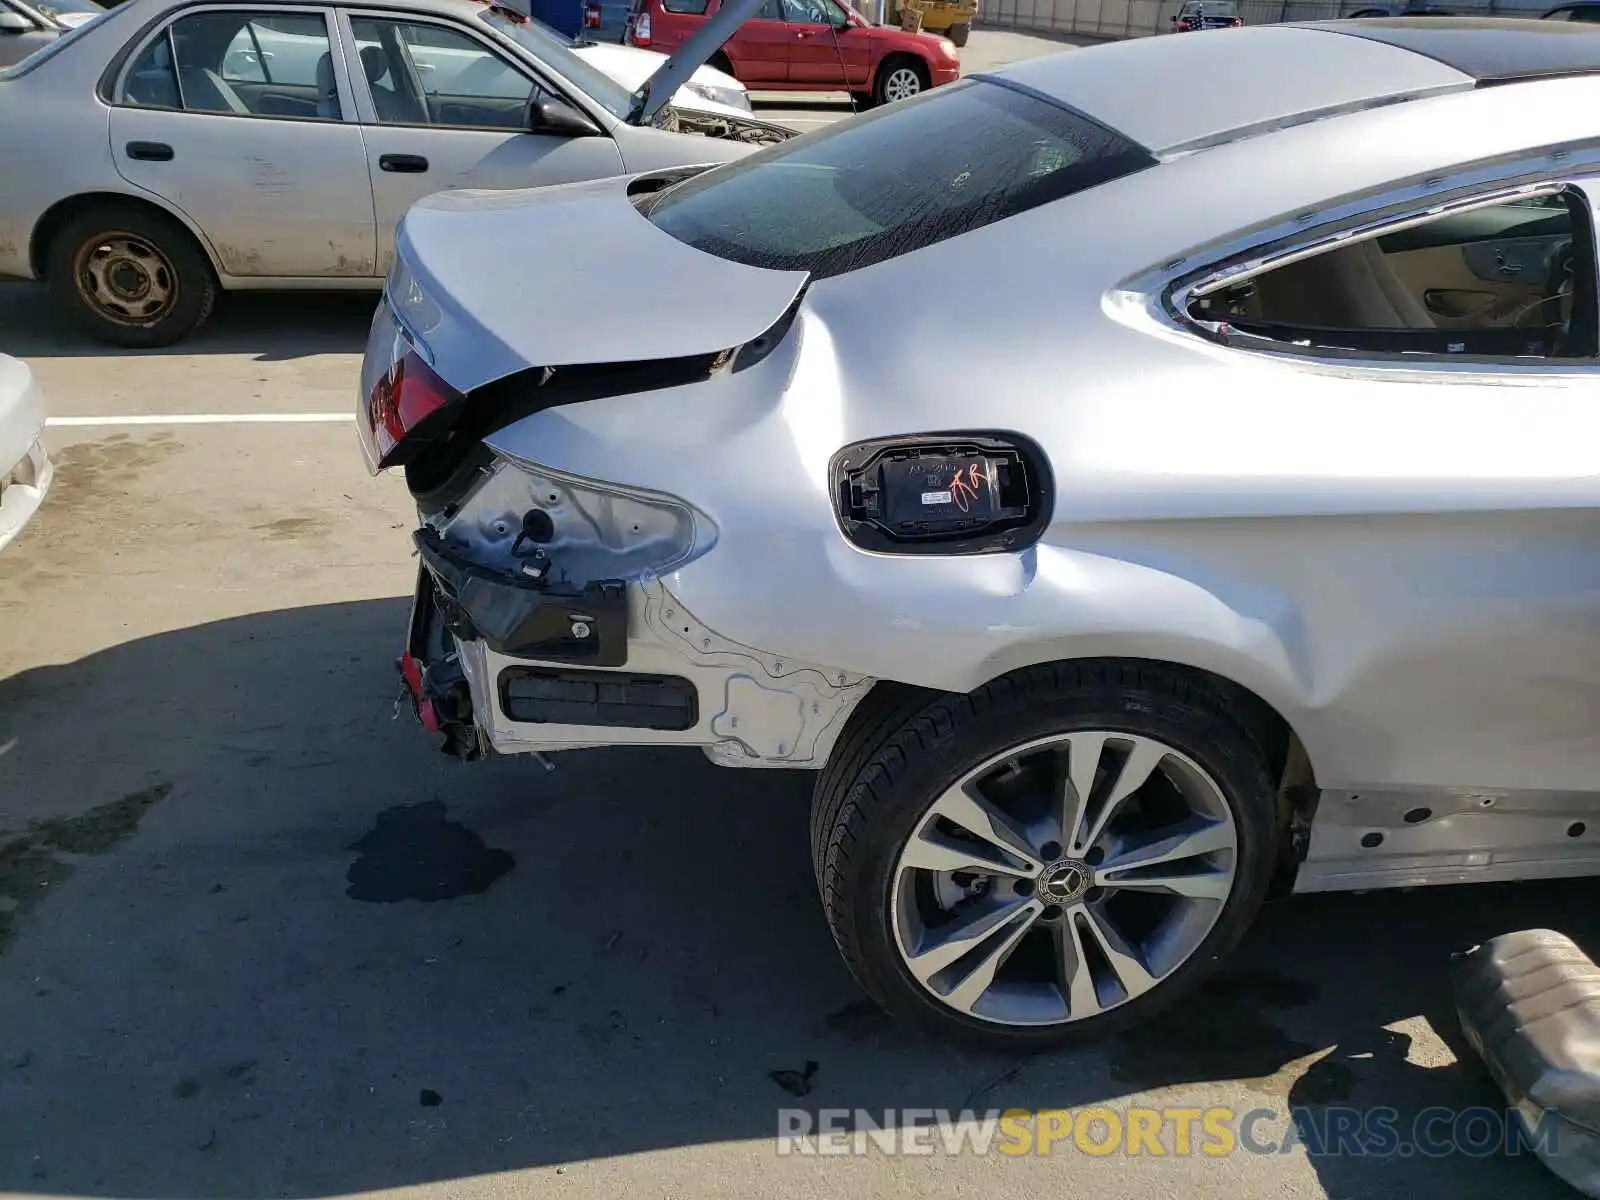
[(900, 752), (886, 72), (192, 283), (958, 34)]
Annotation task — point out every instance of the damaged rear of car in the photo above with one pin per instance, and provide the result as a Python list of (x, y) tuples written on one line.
[(546, 612), (672, 493), (540, 620)]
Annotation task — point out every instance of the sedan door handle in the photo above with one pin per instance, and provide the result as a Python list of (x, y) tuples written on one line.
[(150, 151), (403, 164)]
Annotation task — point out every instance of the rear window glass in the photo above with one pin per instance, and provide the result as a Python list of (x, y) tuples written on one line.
[(903, 177)]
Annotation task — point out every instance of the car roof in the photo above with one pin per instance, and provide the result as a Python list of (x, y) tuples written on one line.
[(1280, 75), (450, 7)]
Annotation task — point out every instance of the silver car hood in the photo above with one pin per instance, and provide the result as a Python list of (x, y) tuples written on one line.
[(493, 282)]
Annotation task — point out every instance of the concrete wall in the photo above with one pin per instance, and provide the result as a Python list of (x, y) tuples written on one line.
[(1140, 18)]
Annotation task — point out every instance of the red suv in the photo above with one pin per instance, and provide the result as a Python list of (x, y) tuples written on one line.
[(805, 46)]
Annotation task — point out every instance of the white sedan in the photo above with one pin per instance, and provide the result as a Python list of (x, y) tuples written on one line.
[(25, 470), (255, 146), (444, 61)]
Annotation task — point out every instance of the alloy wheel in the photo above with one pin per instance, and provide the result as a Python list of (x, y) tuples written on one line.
[(1063, 878), (902, 84)]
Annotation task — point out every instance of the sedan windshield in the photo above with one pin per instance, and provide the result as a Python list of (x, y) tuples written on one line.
[(544, 45), (906, 176)]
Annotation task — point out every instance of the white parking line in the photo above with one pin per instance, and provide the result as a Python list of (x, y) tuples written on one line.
[(203, 419)]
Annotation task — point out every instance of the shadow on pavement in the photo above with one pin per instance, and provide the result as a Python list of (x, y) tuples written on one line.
[(243, 323), (266, 941)]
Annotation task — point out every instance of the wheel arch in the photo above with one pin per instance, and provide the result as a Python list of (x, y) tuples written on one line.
[(1288, 759), (58, 214), (889, 60)]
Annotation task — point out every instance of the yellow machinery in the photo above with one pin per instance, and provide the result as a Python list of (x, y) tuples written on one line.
[(952, 18)]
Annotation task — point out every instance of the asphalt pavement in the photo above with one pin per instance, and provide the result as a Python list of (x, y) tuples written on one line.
[(259, 938)]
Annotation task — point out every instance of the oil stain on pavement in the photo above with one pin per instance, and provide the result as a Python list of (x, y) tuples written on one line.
[(31, 862), (413, 852)]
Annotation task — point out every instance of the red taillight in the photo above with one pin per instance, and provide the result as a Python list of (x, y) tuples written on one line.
[(411, 672), (1236, 23), (406, 395), (641, 29), (591, 16), (1183, 27)]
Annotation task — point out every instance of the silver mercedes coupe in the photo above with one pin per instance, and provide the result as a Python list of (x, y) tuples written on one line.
[(1128, 508)]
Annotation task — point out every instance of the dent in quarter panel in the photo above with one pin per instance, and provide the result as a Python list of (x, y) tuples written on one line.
[(1448, 650), (1407, 568)]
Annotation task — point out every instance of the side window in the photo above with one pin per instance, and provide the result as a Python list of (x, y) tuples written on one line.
[(245, 61), (239, 64), (1510, 280), (807, 12), (772, 10), (814, 12), (422, 74), (693, 8)]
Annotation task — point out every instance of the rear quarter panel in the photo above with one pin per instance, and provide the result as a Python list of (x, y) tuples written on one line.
[(1405, 563), (58, 96)]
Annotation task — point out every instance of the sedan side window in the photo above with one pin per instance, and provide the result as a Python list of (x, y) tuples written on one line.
[(1514, 280), (422, 74), (239, 64)]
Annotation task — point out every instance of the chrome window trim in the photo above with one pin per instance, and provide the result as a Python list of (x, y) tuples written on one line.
[(1167, 291), (512, 52), (518, 66), (163, 28)]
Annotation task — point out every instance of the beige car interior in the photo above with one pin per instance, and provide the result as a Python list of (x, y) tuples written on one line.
[(1360, 287), (1353, 287)]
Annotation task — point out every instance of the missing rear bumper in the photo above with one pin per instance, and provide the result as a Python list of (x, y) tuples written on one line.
[(525, 615), (600, 699), (684, 685)]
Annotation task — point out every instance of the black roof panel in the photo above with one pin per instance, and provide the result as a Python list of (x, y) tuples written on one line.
[(1490, 49)]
